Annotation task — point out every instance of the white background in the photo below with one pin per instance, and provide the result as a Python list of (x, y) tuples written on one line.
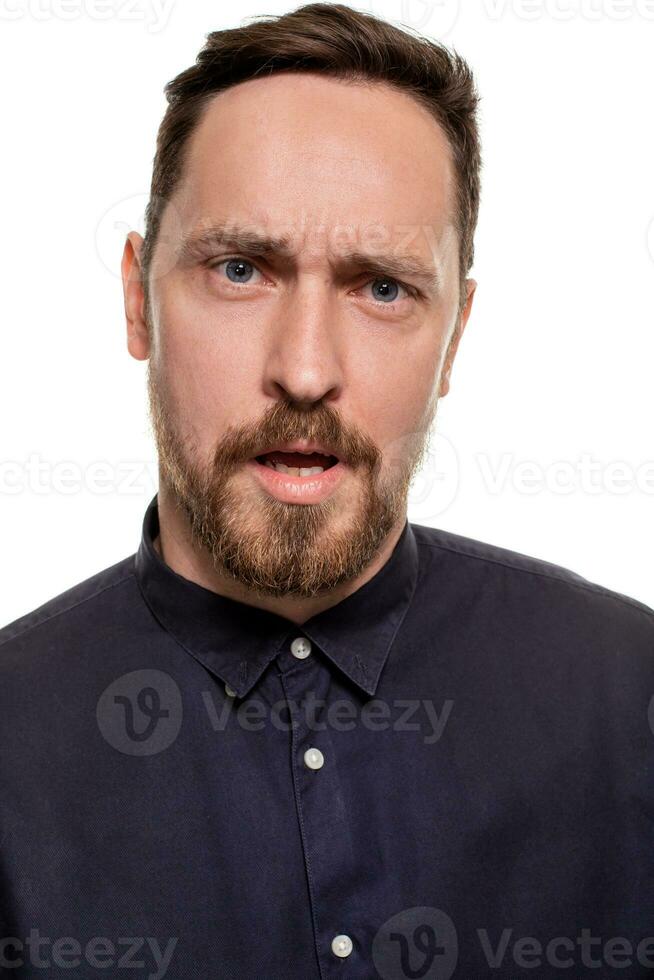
[(556, 363)]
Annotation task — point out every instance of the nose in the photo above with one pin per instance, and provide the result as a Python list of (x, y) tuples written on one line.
[(304, 362)]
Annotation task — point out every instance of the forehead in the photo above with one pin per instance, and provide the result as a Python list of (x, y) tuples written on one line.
[(301, 153)]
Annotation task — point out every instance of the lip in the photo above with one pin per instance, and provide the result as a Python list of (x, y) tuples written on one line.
[(299, 446), (298, 489)]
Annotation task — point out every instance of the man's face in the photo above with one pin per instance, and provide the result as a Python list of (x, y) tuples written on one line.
[(251, 350)]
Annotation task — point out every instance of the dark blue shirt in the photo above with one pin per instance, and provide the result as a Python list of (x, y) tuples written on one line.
[(448, 773)]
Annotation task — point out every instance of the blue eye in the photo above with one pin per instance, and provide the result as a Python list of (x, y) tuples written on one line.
[(387, 289), (238, 270)]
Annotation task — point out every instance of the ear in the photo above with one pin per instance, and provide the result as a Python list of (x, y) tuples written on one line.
[(444, 387), (138, 337)]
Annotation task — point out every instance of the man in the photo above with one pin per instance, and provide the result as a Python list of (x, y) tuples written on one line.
[(295, 735)]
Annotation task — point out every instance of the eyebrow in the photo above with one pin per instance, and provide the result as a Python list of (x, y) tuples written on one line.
[(230, 237)]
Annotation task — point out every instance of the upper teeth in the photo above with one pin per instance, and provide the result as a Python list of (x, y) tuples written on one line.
[(294, 470)]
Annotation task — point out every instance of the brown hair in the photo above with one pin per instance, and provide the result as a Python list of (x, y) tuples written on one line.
[(340, 42)]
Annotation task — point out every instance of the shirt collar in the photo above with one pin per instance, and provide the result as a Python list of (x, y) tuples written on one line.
[(237, 641)]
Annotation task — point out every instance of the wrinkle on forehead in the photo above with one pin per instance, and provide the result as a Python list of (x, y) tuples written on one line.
[(297, 154)]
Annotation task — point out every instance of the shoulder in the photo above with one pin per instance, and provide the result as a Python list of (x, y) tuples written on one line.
[(84, 605), (515, 584)]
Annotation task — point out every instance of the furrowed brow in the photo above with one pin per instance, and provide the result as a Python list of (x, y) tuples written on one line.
[(205, 244), (398, 266), (211, 240)]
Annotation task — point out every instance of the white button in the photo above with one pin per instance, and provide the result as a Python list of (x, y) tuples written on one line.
[(314, 758), (301, 647), (230, 691), (341, 945)]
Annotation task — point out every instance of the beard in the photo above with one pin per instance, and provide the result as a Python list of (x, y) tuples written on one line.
[(272, 547)]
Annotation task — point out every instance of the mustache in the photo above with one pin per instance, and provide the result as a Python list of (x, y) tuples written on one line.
[(283, 423)]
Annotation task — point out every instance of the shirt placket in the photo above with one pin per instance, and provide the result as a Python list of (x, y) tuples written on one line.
[(326, 840)]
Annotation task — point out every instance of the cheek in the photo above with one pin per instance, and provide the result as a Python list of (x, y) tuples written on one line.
[(391, 393), (207, 376)]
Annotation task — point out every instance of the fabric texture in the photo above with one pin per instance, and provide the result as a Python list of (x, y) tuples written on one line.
[(448, 773)]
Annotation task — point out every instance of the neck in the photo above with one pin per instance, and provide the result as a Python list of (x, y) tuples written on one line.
[(176, 547)]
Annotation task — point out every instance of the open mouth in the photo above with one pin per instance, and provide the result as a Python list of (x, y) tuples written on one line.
[(296, 463)]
